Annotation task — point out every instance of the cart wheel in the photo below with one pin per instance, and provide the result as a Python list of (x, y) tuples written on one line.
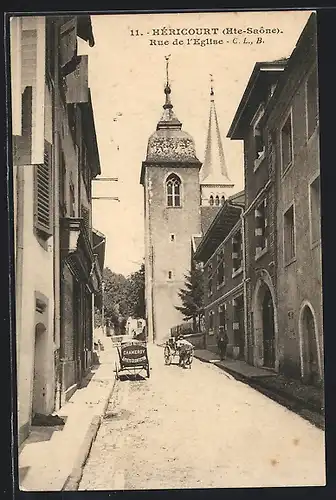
[(167, 356), (148, 372)]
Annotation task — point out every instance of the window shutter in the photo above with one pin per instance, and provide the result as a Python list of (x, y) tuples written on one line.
[(77, 86), (43, 192), (68, 41)]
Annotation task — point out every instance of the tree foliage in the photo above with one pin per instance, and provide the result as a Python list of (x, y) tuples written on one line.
[(136, 293), (123, 297), (192, 296)]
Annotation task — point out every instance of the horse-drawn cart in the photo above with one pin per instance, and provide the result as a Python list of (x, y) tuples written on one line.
[(133, 358)]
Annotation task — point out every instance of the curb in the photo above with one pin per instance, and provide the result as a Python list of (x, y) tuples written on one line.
[(206, 360), (296, 405), (74, 478)]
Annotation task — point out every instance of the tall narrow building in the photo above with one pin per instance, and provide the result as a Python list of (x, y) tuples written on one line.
[(170, 177), (215, 183)]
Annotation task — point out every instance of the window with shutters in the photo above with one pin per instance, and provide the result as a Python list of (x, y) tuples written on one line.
[(210, 280), (289, 236), (43, 194), (68, 40), (286, 140), (220, 269), (315, 211), (312, 102), (221, 317), (72, 121), (259, 144), (260, 228), (237, 252)]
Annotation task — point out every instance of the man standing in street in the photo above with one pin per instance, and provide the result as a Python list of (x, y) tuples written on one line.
[(222, 344)]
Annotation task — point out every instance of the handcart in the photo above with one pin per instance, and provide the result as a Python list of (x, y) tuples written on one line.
[(132, 358), (179, 349)]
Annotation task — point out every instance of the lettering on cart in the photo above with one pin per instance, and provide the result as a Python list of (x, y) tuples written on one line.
[(134, 360)]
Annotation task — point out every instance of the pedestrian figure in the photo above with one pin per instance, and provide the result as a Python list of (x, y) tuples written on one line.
[(222, 343)]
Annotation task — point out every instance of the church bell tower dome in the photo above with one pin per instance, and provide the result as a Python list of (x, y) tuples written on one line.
[(169, 142)]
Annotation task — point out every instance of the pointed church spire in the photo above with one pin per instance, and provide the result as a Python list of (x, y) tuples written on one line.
[(212, 93), (168, 119), (214, 169)]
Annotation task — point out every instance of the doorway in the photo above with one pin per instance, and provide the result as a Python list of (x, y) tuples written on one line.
[(312, 372), (268, 329), (39, 382)]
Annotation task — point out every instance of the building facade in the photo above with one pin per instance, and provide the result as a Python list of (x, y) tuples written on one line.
[(221, 253), (259, 217), (277, 119), (292, 123), (48, 87)]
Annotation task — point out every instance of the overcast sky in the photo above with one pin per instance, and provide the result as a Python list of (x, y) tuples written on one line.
[(127, 77)]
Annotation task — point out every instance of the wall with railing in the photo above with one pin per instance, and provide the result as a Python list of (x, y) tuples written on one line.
[(196, 338)]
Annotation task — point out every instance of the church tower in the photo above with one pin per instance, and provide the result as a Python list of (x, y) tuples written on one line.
[(170, 177), (214, 178)]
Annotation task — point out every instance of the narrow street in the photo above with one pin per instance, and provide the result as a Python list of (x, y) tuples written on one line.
[(199, 428)]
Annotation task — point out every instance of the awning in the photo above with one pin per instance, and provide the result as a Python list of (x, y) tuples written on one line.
[(225, 220)]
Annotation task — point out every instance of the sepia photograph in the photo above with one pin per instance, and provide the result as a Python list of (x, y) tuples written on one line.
[(166, 216)]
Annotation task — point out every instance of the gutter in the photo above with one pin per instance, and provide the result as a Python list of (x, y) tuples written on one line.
[(56, 225)]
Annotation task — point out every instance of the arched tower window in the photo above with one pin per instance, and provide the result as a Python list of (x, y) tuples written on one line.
[(211, 200), (173, 186), (217, 200), (223, 200)]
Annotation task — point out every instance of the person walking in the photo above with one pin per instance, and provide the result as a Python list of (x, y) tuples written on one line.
[(222, 343)]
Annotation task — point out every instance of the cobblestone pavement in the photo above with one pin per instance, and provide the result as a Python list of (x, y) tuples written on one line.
[(199, 428)]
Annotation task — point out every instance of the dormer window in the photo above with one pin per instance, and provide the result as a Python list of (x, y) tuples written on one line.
[(173, 187)]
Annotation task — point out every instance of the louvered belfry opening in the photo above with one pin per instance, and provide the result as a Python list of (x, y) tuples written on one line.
[(43, 192)]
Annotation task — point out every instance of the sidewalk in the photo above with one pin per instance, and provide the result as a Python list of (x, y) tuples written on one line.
[(51, 458), (233, 366), (302, 399)]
